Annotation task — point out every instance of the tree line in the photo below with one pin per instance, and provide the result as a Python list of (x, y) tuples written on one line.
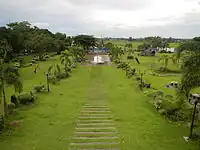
[(20, 37)]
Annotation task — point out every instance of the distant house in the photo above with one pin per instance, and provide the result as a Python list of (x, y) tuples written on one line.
[(171, 50), (149, 52)]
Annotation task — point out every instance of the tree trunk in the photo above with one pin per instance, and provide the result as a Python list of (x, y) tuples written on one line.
[(4, 99)]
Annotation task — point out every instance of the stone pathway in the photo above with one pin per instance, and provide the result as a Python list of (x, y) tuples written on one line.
[(95, 130)]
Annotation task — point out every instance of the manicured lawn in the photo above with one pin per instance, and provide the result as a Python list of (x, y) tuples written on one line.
[(49, 123), (140, 125)]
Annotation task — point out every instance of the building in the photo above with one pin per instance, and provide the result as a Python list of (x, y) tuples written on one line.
[(149, 52)]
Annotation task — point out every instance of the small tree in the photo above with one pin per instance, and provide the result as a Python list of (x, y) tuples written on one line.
[(164, 59), (66, 60), (7, 74)]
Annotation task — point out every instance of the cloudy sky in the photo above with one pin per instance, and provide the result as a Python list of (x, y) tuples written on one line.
[(117, 18)]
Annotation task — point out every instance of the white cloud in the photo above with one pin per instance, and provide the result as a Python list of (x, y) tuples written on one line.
[(107, 17)]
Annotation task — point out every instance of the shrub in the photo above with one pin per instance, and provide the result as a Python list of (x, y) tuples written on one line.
[(17, 65), (130, 57), (26, 98), (168, 96), (159, 93), (11, 107), (158, 102), (138, 78), (28, 65), (130, 72), (1, 122), (73, 65), (11, 74), (38, 88), (52, 79), (33, 61), (14, 100), (46, 56), (63, 75)]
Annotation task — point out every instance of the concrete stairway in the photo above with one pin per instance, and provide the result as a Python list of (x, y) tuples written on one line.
[(95, 130)]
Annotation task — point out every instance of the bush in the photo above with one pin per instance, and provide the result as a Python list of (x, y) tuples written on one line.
[(52, 79), (26, 98), (138, 78), (17, 65), (130, 57), (14, 100), (12, 74), (33, 61), (28, 65), (11, 107), (1, 122), (130, 72), (58, 53), (46, 56), (38, 88), (63, 75), (168, 96)]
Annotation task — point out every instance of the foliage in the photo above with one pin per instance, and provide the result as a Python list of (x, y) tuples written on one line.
[(85, 41), (11, 107), (164, 59), (115, 52), (38, 88), (190, 65), (20, 38), (78, 53), (26, 98)]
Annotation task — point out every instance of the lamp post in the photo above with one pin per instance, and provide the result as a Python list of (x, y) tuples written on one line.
[(193, 99)]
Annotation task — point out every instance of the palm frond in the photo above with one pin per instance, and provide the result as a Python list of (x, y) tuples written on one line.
[(50, 69)]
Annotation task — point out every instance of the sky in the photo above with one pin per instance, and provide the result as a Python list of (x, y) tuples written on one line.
[(108, 18)]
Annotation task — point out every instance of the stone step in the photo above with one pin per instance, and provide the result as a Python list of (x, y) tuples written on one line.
[(96, 128), (96, 138), (94, 124), (94, 143), (95, 117), (94, 149), (94, 106), (100, 111), (94, 121), (94, 133), (97, 114)]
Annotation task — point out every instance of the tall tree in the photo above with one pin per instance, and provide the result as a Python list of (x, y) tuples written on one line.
[(85, 41), (190, 65)]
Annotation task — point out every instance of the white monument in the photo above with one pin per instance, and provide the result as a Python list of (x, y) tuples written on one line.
[(98, 60)]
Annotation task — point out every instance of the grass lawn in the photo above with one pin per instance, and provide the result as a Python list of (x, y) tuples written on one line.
[(140, 125), (49, 123), (137, 43), (123, 43)]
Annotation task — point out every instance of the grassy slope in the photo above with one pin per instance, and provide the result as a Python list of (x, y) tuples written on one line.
[(137, 43), (141, 127), (48, 123)]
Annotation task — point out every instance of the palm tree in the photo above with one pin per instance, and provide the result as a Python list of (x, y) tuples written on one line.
[(8, 75), (190, 65), (164, 59), (66, 60)]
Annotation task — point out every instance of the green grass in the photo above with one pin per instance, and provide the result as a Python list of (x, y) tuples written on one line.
[(123, 43), (137, 43), (174, 45), (140, 125), (49, 123)]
